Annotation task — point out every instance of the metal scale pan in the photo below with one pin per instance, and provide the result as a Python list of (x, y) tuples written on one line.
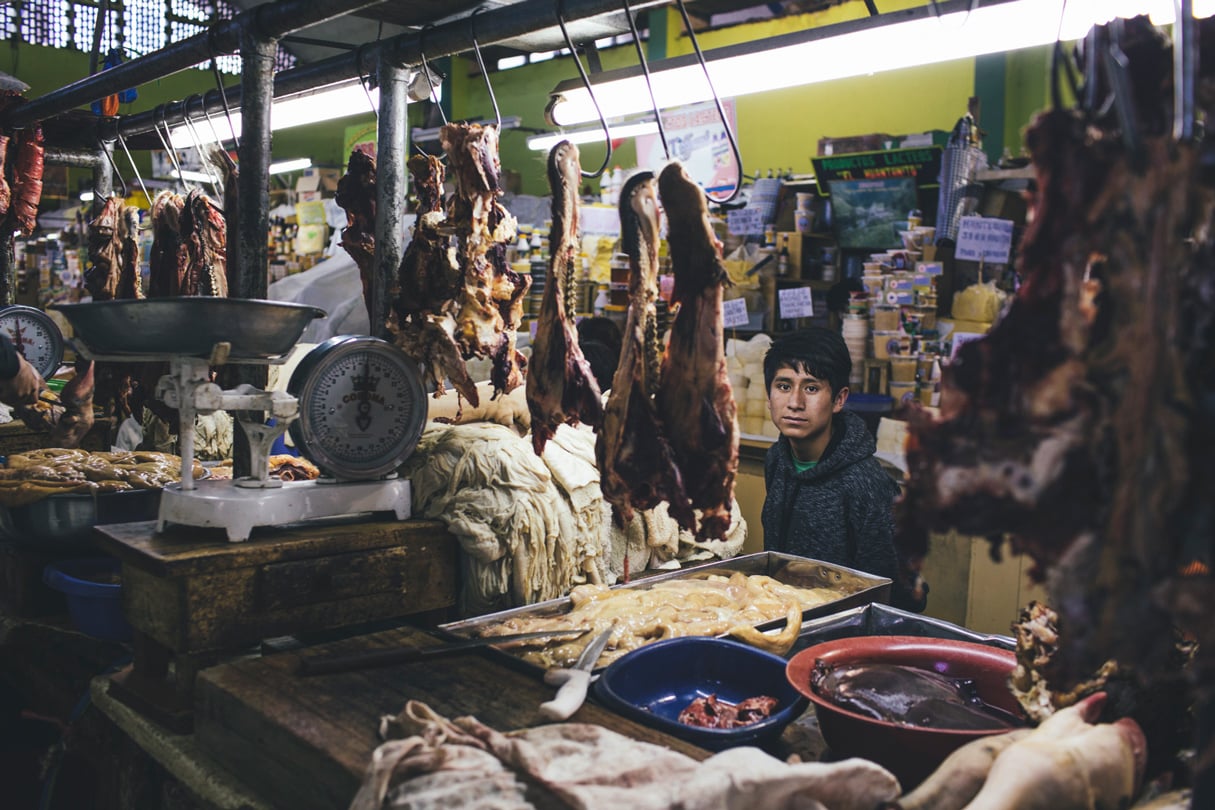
[(163, 328)]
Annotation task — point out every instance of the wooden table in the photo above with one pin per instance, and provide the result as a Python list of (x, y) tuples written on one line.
[(305, 742), (191, 596)]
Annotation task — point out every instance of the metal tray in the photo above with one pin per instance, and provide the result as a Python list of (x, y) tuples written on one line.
[(856, 589), (190, 327), (66, 521)]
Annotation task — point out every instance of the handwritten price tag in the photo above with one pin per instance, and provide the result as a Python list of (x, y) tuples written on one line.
[(745, 222), (795, 302), (984, 239), (734, 313)]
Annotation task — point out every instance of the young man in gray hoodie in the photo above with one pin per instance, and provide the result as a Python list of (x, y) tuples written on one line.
[(827, 496)]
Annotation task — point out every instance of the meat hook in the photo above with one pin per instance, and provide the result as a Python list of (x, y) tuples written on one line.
[(1117, 65), (721, 112), (160, 112), (430, 83), (109, 156), (123, 143), (223, 97), (1185, 63), (204, 162), (607, 132), (365, 81), (645, 71), (472, 28)]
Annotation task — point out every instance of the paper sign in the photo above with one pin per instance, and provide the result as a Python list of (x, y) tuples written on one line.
[(734, 313), (984, 239), (795, 302), (745, 222)]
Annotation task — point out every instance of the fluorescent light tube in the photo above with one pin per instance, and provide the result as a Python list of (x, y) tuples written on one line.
[(890, 41), (293, 165), (545, 142), (191, 176)]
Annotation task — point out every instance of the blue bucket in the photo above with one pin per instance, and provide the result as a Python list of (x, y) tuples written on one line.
[(94, 595)]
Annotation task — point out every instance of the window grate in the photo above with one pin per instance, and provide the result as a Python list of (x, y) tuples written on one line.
[(136, 27)]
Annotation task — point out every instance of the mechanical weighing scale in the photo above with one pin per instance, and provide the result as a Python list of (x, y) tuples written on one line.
[(36, 336), (355, 406)]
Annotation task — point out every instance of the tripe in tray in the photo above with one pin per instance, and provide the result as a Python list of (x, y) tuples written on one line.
[(707, 600)]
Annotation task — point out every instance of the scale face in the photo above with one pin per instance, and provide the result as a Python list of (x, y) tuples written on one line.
[(36, 336), (362, 407)]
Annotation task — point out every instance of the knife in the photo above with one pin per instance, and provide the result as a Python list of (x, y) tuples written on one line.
[(573, 681), (399, 655)]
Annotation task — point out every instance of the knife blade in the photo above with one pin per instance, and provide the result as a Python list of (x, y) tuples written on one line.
[(404, 655)]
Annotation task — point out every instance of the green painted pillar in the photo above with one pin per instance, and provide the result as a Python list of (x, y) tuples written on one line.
[(990, 77)]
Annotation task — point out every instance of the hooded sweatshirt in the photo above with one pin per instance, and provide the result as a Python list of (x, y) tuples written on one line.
[(840, 511)]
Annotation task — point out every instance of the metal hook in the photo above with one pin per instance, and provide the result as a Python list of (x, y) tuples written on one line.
[(426, 70), (123, 143), (223, 96), (472, 28), (160, 112), (204, 162), (1185, 63), (607, 132), (109, 155), (645, 70), (211, 125), (700, 57), (365, 80)]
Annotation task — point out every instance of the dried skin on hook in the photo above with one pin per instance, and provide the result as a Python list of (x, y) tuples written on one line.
[(6, 191), (114, 253), (356, 196), (27, 181), (695, 400), (491, 304), (428, 284), (637, 467), (560, 386)]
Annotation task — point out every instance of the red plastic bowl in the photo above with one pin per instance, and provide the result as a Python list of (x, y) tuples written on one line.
[(910, 753)]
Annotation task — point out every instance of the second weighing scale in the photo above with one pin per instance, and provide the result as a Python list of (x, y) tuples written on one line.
[(355, 406)]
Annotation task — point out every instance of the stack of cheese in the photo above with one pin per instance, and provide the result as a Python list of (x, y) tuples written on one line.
[(745, 366)]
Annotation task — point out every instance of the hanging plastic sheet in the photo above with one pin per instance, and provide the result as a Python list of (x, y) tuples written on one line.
[(960, 188)]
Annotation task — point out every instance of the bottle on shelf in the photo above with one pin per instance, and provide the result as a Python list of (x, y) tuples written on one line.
[(601, 300), (617, 183), (605, 188), (782, 258)]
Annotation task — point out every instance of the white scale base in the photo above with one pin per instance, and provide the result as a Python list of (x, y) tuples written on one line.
[(221, 504)]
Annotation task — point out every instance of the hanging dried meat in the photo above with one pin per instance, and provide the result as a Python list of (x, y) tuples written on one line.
[(637, 468), (1081, 426), (428, 284), (114, 253), (6, 191), (695, 400), (491, 302), (560, 386), (28, 156), (189, 247), (356, 196)]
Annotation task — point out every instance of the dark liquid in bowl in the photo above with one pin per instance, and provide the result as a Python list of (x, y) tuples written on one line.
[(909, 696)]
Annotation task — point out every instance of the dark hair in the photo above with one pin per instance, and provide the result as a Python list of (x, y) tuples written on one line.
[(603, 330), (602, 361), (814, 350)]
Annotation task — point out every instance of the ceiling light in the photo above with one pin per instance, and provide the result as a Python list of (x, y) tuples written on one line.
[(546, 141), (294, 165), (325, 104), (185, 175), (860, 47)]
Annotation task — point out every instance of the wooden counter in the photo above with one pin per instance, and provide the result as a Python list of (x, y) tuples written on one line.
[(305, 742)]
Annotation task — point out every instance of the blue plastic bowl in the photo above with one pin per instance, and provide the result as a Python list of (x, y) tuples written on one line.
[(654, 683), (94, 603)]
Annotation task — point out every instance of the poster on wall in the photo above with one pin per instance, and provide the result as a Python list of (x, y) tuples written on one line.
[(698, 141), (360, 137), (870, 213)]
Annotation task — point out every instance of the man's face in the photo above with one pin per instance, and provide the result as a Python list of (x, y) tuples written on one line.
[(801, 404)]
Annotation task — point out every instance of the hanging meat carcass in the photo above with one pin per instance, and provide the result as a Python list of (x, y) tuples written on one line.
[(428, 283), (6, 191), (491, 302), (26, 194), (560, 386), (356, 196), (113, 240), (695, 400), (1081, 426), (636, 464)]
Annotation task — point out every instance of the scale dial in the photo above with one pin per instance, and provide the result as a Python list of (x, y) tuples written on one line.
[(362, 407), (36, 336)]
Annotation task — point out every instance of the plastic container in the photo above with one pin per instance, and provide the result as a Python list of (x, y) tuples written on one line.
[(903, 392), (902, 368), (882, 342), (94, 595)]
